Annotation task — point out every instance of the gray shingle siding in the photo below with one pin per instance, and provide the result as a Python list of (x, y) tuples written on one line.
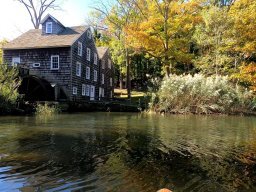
[(61, 77), (78, 81), (56, 27)]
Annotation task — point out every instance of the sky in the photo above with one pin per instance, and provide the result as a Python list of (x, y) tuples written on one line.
[(15, 20)]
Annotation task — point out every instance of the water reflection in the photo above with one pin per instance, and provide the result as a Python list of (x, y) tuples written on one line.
[(127, 152)]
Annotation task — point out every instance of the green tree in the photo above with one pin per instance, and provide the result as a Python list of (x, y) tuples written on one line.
[(213, 38)]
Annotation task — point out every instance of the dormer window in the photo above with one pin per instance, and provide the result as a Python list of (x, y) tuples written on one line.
[(48, 27)]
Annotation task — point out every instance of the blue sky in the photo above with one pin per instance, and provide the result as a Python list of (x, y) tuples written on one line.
[(14, 20)]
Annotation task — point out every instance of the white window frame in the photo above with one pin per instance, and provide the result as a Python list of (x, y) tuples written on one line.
[(79, 48), (95, 61), (55, 68), (48, 29), (88, 54), (95, 75), (74, 90), (109, 63), (87, 90), (78, 69), (111, 82), (102, 79), (89, 35), (88, 73), (15, 61), (35, 65), (83, 89), (103, 64)]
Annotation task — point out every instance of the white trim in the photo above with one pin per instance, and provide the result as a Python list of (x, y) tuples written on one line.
[(95, 60), (111, 82), (87, 73), (52, 62), (47, 29), (79, 48), (74, 90), (87, 90), (83, 89), (15, 61), (88, 54), (78, 69), (35, 65), (95, 75)]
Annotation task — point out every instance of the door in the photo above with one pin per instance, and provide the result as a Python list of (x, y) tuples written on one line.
[(92, 93)]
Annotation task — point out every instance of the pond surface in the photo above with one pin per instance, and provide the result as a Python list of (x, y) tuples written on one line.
[(127, 152)]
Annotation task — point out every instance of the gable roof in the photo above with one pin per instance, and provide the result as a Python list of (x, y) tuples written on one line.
[(34, 39), (101, 51), (54, 19)]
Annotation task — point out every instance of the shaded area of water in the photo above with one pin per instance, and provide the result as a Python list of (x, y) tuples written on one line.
[(127, 152)]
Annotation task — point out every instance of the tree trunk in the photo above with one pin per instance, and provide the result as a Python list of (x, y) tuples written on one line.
[(128, 79), (167, 71), (121, 80)]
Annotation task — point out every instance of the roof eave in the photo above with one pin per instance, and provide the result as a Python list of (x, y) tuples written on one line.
[(43, 47)]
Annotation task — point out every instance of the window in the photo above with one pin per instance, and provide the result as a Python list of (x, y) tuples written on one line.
[(110, 81), (111, 94), (102, 79), (36, 65), (88, 55), (103, 64), (95, 59), (87, 74), (109, 64), (89, 35), (74, 90), (102, 92), (95, 75), (83, 89), (80, 49), (87, 90), (78, 69), (49, 27), (55, 62), (15, 61)]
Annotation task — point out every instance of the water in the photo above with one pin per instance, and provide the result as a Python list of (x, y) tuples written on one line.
[(127, 152)]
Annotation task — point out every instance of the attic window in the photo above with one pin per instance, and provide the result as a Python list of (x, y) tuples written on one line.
[(89, 35), (49, 27)]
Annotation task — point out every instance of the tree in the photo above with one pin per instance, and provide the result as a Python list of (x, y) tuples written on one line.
[(213, 37), (37, 8), (163, 30), (2, 43)]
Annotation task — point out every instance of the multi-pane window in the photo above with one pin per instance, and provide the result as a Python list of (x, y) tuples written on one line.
[(74, 90), (80, 49), (109, 63), (95, 59), (83, 89), (87, 73), (15, 61), (95, 77), (103, 64), (49, 27), (78, 69), (87, 90), (89, 35), (110, 81), (88, 54), (102, 78), (54, 62)]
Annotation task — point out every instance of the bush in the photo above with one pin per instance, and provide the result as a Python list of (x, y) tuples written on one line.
[(9, 83), (45, 110), (200, 94)]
